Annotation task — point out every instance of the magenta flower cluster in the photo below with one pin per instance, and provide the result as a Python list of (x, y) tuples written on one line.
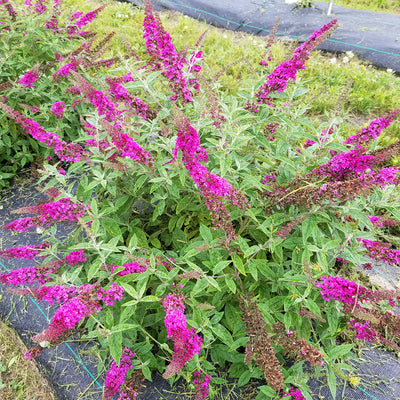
[(381, 251), (269, 178), (201, 383), (66, 69), (294, 394), (83, 304), (58, 109), (28, 79), (88, 17), (186, 342), (378, 222), (116, 375), (277, 81), (373, 131), (28, 252), (61, 210), (359, 302), (344, 166), (100, 101), (363, 331), (323, 137), (352, 294), (213, 187), (70, 152), (40, 273), (126, 146), (120, 93), (188, 142), (129, 268), (160, 47)]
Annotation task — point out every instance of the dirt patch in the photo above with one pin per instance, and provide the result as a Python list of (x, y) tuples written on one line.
[(19, 378)]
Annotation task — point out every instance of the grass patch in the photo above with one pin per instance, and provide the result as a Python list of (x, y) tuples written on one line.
[(19, 378), (388, 6)]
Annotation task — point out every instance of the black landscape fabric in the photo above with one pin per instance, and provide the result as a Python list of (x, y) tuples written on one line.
[(372, 36)]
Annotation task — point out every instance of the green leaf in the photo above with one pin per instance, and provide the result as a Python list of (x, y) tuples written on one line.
[(150, 299), (94, 267), (331, 380), (183, 204), (307, 227), (213, 282), (133, 242), (244, 378), (332, 315), (230, 283), (206, 233), (336, 352), (139, 182), (146, 372), (111, 227), (155, 242), (337, 147), (299, 91), (129, 289), (237, 261), (115, 343), (158, 209), (267, 391), (223, 334), (219, 267), (123, 327)]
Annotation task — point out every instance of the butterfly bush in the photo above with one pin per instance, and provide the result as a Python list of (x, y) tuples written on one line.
[(293, 394), (277, 81), (28, 251), (40, 273), (116, 375), (86, 302), (245, 216), (28, 79), (58, 109), (186, 342), (360, 304), (48, 213), (165, 57), (201, 383)]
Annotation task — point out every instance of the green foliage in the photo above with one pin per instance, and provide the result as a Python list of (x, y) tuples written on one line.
[(304, 3)]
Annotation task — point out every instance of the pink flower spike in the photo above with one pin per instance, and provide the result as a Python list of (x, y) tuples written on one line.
[(69, 152), (294, 394), (58, 109), (116, 375), (277, 81), (201, 383), (28, 79), (28, 252), (186, 342), (89, 17)]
